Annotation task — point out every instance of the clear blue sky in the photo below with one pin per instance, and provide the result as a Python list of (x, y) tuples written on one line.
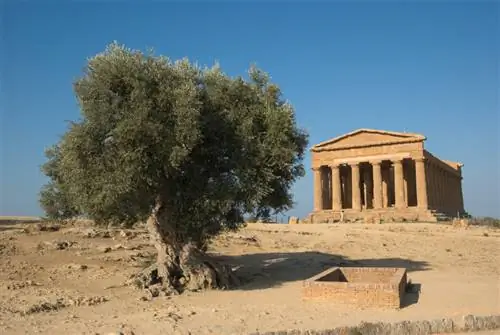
[(425, 67)]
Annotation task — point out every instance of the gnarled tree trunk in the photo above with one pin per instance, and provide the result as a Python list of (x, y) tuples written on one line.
[(180, 266)]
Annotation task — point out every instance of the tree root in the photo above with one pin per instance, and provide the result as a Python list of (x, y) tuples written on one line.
[(193, 271)]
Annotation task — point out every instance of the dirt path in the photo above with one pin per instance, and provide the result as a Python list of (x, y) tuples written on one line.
[(65, 281)]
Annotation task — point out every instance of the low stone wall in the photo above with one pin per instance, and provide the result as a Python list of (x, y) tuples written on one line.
[(468, 323), (362, 287)]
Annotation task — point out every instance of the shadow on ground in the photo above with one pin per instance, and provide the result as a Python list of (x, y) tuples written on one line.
[(412, 295), (266, 270)]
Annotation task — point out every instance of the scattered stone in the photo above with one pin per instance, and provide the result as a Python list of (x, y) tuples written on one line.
[(74, 266), (48, 227), (93, 233), (45, 306), (87, 301), (125, 330), (63, 245), (306, 233), (59, 303), (127, 234), (56, 245), (124, 233), (105, 249), (157, 290), (154, 291), (8, 249), (139, 246), (90, 233), (21, 285), (247, 238)]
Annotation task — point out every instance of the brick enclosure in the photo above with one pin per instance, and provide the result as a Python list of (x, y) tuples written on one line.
[(362, 287)]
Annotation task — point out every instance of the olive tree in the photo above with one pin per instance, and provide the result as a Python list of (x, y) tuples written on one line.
[(188, 150), (53, 196)]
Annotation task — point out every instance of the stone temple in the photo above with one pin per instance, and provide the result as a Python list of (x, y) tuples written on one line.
[(383, 175)]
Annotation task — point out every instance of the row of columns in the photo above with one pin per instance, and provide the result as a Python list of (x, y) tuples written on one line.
[(399, 185), (445, 189)]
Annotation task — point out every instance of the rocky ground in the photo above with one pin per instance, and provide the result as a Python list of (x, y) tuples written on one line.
[(69, 279)]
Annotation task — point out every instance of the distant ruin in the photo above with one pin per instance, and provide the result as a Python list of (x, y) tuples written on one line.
[(382, 174)]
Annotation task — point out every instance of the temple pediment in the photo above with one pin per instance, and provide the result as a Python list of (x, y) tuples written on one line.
[(367, 137)]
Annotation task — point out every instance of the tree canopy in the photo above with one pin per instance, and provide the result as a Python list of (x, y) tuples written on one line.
[(203, 147), (54, 196)]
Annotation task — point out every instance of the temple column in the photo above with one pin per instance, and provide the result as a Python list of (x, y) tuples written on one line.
[(436, 186), (385, 188), (348, 193), (343, 188), (454, 190), (442, 190), (456, 196), (439, 188), (430, 188), (399, 184), (367, 188), (453, 193), (453, 182), (377, 185), (318, 194), (421, 182), (336, 189), (432, 185), (405, 183), (446, 191), (356, 193), (460, 196)]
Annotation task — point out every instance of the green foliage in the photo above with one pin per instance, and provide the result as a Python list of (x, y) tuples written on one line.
[(54, 198), (209, 147)]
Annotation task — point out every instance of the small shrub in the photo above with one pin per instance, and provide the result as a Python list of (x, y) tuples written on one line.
[(485, 221)]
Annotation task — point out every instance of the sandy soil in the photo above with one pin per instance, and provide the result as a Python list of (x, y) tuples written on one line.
[(68, 281)]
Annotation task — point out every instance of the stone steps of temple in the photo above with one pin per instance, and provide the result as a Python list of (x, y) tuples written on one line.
[(411, 214)]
